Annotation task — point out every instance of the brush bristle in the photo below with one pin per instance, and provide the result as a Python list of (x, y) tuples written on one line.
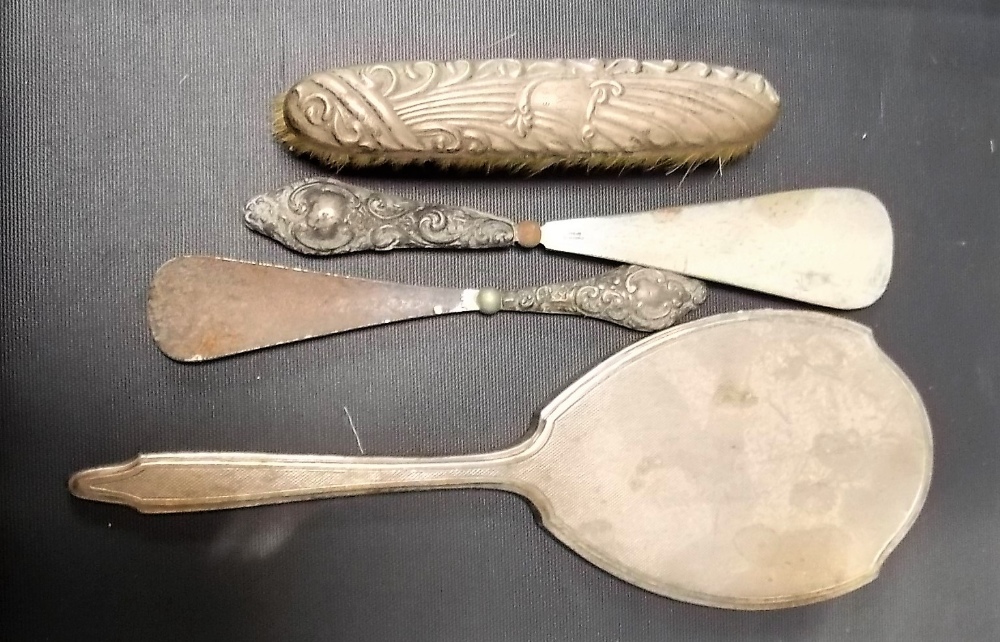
[(517, 163)]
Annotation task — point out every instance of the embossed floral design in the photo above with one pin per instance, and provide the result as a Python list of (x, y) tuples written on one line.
[(640, 298), (324, 216), (533, 107)]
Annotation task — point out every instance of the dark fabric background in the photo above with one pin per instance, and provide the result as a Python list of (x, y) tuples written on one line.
[(134, 131)]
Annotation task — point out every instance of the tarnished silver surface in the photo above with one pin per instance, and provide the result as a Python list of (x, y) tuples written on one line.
[(751, 460), (327, 216), (640, 298), (205, 307), (829, 246), (527, 113)]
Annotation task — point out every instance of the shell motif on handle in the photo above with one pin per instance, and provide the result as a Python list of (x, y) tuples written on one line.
[(527, 114)]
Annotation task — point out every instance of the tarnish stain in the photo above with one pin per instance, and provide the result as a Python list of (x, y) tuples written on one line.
[(827, 446), (792, 366), (665, 213), (795, 560), (813, 498), (598, 527), (730, 394), (781, 210), (209, 344), (814, 279), (642, 470), (843, 453), (781, 413)]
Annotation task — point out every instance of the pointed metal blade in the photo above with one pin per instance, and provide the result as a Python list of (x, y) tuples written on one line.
[(829, 246)]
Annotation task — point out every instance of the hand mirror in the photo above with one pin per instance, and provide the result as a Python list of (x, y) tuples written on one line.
[(752, 460)]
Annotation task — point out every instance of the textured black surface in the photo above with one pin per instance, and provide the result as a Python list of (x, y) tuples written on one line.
[(134, 131)]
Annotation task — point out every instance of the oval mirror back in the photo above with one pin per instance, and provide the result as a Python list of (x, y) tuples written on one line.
[(751, 460)]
